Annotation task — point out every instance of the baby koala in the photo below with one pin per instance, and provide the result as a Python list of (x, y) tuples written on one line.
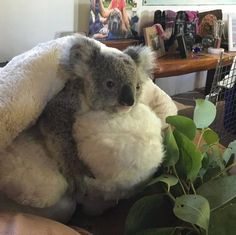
[(94, 143), (98, 129)]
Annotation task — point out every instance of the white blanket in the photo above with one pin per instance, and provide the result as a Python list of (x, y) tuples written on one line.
[(27, 83)]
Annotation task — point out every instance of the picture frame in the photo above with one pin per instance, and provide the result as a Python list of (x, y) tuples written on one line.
[(111, 20), (153, 40), (232, 32)]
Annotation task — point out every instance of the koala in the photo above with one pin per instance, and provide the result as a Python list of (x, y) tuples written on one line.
[(94, 143)]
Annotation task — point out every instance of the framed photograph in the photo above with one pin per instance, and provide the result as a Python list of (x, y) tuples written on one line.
[(113, 19), (232, 32), (153, 40)]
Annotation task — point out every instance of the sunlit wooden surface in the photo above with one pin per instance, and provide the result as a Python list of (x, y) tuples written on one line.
[(173, 65)]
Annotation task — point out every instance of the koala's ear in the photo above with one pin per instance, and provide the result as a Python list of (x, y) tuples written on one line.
[(80, 54), (144, 58)]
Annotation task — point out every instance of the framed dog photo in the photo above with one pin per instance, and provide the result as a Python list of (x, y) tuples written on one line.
[(153, 40), (113, 19), (232, 32)]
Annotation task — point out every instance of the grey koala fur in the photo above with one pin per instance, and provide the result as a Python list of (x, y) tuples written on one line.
[(100, 79)]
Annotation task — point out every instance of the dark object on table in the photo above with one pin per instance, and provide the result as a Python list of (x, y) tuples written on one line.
[(181, 46)]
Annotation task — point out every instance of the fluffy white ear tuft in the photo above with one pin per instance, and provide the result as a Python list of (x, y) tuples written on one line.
[(144, 57)]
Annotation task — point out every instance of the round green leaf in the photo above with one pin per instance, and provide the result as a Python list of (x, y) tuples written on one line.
[(229, 151), (194, 209), (222, 221), (190, 159), (183, 124), (158, 231), (204, 113), (169, 180), (172, 151), (219, 192), (210, 136), (148, 212)]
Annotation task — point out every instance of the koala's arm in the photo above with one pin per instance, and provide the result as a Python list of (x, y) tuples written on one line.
[(160, 102)]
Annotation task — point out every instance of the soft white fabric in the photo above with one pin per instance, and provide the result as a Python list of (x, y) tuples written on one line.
[(159, 102), (27, 83)]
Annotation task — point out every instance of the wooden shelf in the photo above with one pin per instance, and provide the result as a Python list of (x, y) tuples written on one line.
[(173, 65), (121, 44)]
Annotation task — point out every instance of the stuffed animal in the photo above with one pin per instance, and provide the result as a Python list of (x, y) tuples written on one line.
[(97, 141)]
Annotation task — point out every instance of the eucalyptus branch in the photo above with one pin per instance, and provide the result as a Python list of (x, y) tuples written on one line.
[(193, 188), (168, 193), (180, 182), (196, 228), (223, 171), (187, 186), (200, 138)]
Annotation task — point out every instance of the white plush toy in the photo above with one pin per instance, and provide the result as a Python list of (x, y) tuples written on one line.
[(79, 123)]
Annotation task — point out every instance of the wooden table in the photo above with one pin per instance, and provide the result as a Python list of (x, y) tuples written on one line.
[(173, 65), (121, 44)]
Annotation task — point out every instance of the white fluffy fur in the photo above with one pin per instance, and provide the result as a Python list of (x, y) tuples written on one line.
[(28, 175), (121, 150)]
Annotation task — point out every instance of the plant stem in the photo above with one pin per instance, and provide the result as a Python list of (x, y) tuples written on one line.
[(175, 172), (196, 228), (192, 186), (226, 169), (200, 138), (170, 195)]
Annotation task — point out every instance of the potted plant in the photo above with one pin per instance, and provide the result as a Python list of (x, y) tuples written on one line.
[(193, 192)]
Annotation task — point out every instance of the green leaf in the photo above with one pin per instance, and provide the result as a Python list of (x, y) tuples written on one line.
[(183, 124), (194, 209), (229, 151), (210, 136), (219, 191), (172, 151), (190, 161), (232, 145), (158, 231), (169, 180), (228, 155), (222, 221), (204, 113), (149, 212), (211, 173), (215, 156)]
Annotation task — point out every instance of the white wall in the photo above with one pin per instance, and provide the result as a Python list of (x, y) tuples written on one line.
[(25, 23), (183, 83)]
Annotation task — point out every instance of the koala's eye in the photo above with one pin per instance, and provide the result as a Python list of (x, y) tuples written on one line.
[(110, 84), (138, 86)]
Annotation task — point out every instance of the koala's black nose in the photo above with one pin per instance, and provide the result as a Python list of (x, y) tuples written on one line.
[(126, 97)]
